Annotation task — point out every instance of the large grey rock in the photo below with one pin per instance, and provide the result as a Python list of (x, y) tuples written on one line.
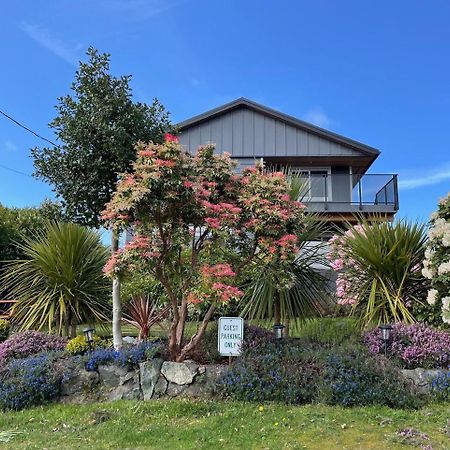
[(421, 378), (176, 390), (130, 340), (160, 387), (128, 388), (80, 382), (179, 373), (130, 391), (149, 374), (111, 375)]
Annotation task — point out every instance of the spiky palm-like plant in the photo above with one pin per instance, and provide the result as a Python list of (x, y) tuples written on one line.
[(60, 281), (388, 257)]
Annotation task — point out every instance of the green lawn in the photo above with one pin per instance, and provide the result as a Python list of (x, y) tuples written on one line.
[(182, 424)]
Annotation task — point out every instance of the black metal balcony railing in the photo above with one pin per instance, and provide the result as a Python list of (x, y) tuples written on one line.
[(356, 190)]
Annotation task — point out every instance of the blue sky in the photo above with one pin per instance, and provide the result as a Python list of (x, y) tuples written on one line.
[(377, 72)]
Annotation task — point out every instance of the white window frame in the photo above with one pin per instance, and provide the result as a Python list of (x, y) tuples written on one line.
[(329, 184)]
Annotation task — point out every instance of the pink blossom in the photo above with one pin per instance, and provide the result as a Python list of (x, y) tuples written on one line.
[(168, 137), (213, 223), (337, 264), (146, 153)]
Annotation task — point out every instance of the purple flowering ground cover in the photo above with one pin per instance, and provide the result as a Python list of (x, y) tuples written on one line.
[(413, 346), (22, 345)]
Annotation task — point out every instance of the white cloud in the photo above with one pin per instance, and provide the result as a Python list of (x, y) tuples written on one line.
[(9, 146), (317, 117), (43, 37), (430, 178)]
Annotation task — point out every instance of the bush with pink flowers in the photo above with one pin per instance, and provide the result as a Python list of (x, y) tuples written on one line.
[(413, 346), (22, 345)]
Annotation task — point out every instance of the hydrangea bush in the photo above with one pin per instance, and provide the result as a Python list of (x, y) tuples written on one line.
[(436, 265), (415, 345), (198, 227), (27, 343)]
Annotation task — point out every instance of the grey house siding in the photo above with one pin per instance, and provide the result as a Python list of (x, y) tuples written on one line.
[(246, 133)]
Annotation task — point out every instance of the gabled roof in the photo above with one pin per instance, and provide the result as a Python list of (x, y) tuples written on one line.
[(287, 119)]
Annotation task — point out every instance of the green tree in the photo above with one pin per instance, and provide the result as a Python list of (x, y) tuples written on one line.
[(17, 223), (97, 127), (60, 281)]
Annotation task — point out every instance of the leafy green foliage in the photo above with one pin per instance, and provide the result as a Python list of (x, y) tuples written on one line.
[(60, 282), (330, 331), (17, 223), (79, 346), (5, 326), (98, 126)]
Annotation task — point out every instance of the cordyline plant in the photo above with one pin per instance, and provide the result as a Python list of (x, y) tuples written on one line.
[(198, 227), (378, 269)]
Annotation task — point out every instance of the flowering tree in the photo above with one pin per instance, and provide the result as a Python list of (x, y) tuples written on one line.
[(378, 269), (199, 227), (436, 265)]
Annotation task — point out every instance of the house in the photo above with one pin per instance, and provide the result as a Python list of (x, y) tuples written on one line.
[(334, 167)]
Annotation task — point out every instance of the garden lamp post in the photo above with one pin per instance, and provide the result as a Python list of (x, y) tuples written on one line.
[(385, 335), (278, 330), (89, 336)]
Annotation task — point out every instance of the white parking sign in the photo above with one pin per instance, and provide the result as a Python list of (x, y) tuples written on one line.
[(231, 335)]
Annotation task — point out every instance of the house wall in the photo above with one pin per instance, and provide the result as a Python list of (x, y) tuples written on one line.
[(246, 133)]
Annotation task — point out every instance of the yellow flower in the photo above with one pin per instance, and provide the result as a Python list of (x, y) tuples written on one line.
[(261, 409), (276, 424)]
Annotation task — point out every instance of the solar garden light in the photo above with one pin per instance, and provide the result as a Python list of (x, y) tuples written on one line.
[(89, 336), (385, 335), (278, 330)]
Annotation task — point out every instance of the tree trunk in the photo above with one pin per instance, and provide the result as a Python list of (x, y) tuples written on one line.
[(116, 305), (286, 328), (277, 312)]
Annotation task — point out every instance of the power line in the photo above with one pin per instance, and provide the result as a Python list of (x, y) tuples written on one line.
[(28, 129), (16, 171)]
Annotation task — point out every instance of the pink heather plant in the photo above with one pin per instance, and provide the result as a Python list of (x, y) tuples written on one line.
[(27, 343), (415, 345)]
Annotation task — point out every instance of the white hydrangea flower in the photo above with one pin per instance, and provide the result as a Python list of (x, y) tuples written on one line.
[(432, 296), (446, 239), (428, 254), (434, 215), (427, 273), (444, 268)]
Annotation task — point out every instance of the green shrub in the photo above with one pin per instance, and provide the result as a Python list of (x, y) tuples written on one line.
[(5, 326), (272, 371), (303, 372), (330, 331), (78, 345), (353, 377)]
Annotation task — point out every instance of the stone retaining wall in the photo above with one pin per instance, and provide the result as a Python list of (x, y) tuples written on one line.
[(153, 379)]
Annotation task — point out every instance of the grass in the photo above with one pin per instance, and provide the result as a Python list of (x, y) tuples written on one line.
[(183, 424)]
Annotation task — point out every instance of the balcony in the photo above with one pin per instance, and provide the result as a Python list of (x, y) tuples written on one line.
[(344, 193)]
